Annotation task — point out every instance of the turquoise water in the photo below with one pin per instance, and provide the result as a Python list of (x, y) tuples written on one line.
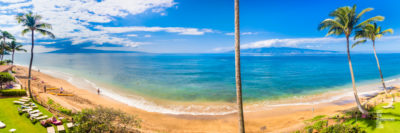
[(210, 77)]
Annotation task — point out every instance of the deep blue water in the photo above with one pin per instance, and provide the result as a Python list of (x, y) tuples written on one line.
[(210, 77)]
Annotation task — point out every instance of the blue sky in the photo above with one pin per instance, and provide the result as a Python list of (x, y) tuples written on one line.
[(192, 26)]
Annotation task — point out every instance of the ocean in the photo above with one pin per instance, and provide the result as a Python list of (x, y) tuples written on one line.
[(141, 80)]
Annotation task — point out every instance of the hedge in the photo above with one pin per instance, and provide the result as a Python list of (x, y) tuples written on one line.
[(13, 92)]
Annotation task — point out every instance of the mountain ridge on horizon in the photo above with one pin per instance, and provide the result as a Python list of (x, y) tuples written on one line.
[(284, 51), (265, 50)]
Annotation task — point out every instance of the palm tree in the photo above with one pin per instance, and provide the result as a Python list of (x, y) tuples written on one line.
[(15, 46), (237, 69), (372, 32), (32, 23), (345, 21), (4, 35)]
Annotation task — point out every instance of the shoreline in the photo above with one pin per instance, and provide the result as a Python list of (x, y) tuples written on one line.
[(200, 108), (278, 119)]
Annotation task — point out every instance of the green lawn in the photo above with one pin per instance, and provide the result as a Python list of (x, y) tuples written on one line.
[(9, 116), (391, 125)]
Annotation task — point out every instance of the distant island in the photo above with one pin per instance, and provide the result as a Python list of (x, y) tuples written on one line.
[(82, 50)]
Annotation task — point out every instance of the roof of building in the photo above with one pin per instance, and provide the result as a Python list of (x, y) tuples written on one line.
[(5, 68)]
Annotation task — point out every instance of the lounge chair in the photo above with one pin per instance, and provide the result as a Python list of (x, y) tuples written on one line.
[(41, 117), (70, 125), (51, 130), (33, 111), (2, 125), (25, 107), (27, 110), (60, 128), (388, 106), (24, 100), (18, 102), (32, 116)]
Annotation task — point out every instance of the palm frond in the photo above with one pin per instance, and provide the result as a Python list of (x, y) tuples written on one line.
[(44, 26), (19, 48), (25, 31), (373, 19), (329, 23), (358, 42), (46, 33), (363, 12), (391, 31)]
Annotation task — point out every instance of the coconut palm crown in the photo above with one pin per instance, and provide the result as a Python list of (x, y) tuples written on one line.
[(3, 36), (371, 32), (15, 46), (344, 22)]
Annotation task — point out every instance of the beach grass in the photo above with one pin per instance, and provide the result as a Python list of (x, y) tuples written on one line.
[(388, 123), (9, 116)]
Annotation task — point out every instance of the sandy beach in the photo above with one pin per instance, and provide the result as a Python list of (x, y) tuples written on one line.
[(278, 119)]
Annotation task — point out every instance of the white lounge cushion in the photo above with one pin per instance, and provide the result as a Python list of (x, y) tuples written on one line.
[(2, 125), (51, 130)]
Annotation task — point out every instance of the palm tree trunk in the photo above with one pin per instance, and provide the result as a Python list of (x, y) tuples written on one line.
[(360, 107), (237, 69), (2, 49), (30, 66), (12, 63), (379, 67)]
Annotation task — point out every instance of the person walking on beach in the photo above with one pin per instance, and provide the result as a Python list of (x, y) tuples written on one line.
[(61, 90), (44, 88), (98, 91)]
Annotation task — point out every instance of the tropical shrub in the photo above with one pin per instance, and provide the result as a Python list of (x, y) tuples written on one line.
[(13, 92), (65, 111), (103, 119), (342, 128), (5, 77), (8, 61)]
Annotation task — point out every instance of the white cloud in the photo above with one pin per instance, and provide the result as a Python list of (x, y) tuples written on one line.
[(147, 35), (46, 43), (38, 49), (111, 48), (179, 30), (12, 1), (292, 42), (72, 19), (243, 33), (132, 35), (7, 19), (230, 33)]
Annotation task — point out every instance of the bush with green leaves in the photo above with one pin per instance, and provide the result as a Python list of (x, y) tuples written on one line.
[(8, 61), (342, 128), (103, 119), (13, 92), (65, 111), (5, 77)]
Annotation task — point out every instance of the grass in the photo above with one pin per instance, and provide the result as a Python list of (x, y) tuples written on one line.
[(390, 125), (9, 116)]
